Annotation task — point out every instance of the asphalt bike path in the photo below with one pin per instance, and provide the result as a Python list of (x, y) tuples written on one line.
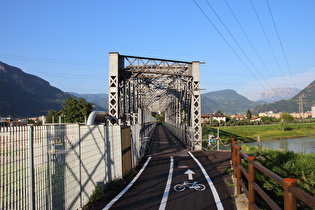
[(172, 179), (190, 189)]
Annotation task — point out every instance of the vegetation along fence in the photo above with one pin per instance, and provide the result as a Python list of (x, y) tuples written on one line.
[(59, 166), (246, 177)]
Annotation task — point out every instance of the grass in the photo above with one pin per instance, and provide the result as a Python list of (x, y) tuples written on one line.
[(101, 197), (266, 132)]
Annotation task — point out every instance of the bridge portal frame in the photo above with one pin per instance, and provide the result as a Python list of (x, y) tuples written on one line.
[(136, 84)]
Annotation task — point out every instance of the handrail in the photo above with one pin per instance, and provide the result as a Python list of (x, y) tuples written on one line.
[(291, 191)]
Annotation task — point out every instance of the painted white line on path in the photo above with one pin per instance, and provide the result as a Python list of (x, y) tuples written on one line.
[(212, 187), (128, 186), (168, 185)]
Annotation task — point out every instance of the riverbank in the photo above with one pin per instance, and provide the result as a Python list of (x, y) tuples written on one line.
[(266, 132)]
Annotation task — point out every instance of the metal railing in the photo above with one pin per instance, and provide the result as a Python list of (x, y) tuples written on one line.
[(215, 144), (56, 166), (246, 181)]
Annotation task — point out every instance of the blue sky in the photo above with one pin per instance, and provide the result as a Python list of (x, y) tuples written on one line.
[(67, 42)]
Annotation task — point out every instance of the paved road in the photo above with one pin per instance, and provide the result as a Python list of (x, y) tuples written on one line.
[(170, 165)]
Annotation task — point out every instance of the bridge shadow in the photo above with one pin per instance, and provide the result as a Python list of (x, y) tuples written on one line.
[(83, 162)]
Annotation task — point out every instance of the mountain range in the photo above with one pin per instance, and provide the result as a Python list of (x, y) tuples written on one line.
[(23, 95), (278, 94), (228, 101), (304, 99)]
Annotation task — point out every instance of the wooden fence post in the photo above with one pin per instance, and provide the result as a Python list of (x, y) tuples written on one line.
[(238, 170), (234, 153), (233, 142), (251, 182), (289, 198)]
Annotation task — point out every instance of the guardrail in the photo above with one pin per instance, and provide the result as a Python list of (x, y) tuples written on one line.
[(215, 144), (245, 180)]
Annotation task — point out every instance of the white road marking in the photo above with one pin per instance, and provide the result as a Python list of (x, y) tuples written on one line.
[(190, 174), (168, 186), (128, 186), (212, 187)]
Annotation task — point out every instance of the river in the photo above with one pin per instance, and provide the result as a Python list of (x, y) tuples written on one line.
[(300, 145)]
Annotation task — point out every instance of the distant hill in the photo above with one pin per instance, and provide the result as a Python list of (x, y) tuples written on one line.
[(278, 94), (23, 95), (100, 99), (291, 105), (228, 101), (26, 95)]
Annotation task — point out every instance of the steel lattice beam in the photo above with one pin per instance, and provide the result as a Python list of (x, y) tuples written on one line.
[(156, 85)]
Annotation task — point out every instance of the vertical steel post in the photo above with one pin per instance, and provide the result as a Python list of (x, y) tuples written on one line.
[(113, 95), (48, 172), (196, 106), (31, 166), (80, 166)]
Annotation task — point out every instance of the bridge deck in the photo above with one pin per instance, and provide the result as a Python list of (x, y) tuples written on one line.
[(166, 151)]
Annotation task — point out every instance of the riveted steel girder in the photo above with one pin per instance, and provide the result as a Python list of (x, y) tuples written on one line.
[(156, 85)]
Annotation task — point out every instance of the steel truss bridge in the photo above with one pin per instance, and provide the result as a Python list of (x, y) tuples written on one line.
[(139, 86)]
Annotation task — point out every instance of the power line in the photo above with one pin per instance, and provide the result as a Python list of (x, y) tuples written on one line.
[(76, 76), (80, 63), (284, 54), (249, 41), (228, 44), (238, 44), (263, 29)]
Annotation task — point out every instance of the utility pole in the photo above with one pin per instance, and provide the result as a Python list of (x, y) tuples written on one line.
[(301, 105)]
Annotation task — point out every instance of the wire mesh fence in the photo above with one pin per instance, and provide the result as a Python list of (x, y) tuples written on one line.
[(56, 166)]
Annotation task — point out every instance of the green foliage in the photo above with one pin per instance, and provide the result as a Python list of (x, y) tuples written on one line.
[(109, 192), (286, 117), (283, 125), (272, 131), (52, 116), (219, 112), (160, 118), (285, 164), (268, 120), (248, 114), (76, 110), (97, 195)]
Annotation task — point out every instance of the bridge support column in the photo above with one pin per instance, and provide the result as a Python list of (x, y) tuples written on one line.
[(113, 99), (195, 107)]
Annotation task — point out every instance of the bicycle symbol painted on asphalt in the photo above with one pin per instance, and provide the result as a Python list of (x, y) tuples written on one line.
[(190, 185)]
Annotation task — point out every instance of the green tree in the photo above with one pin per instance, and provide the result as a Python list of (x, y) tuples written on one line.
[(219, 112), (76, 110), (160, 118), (267, 120), (283, 125), (248, 114), (286, 117), (52, 114)]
